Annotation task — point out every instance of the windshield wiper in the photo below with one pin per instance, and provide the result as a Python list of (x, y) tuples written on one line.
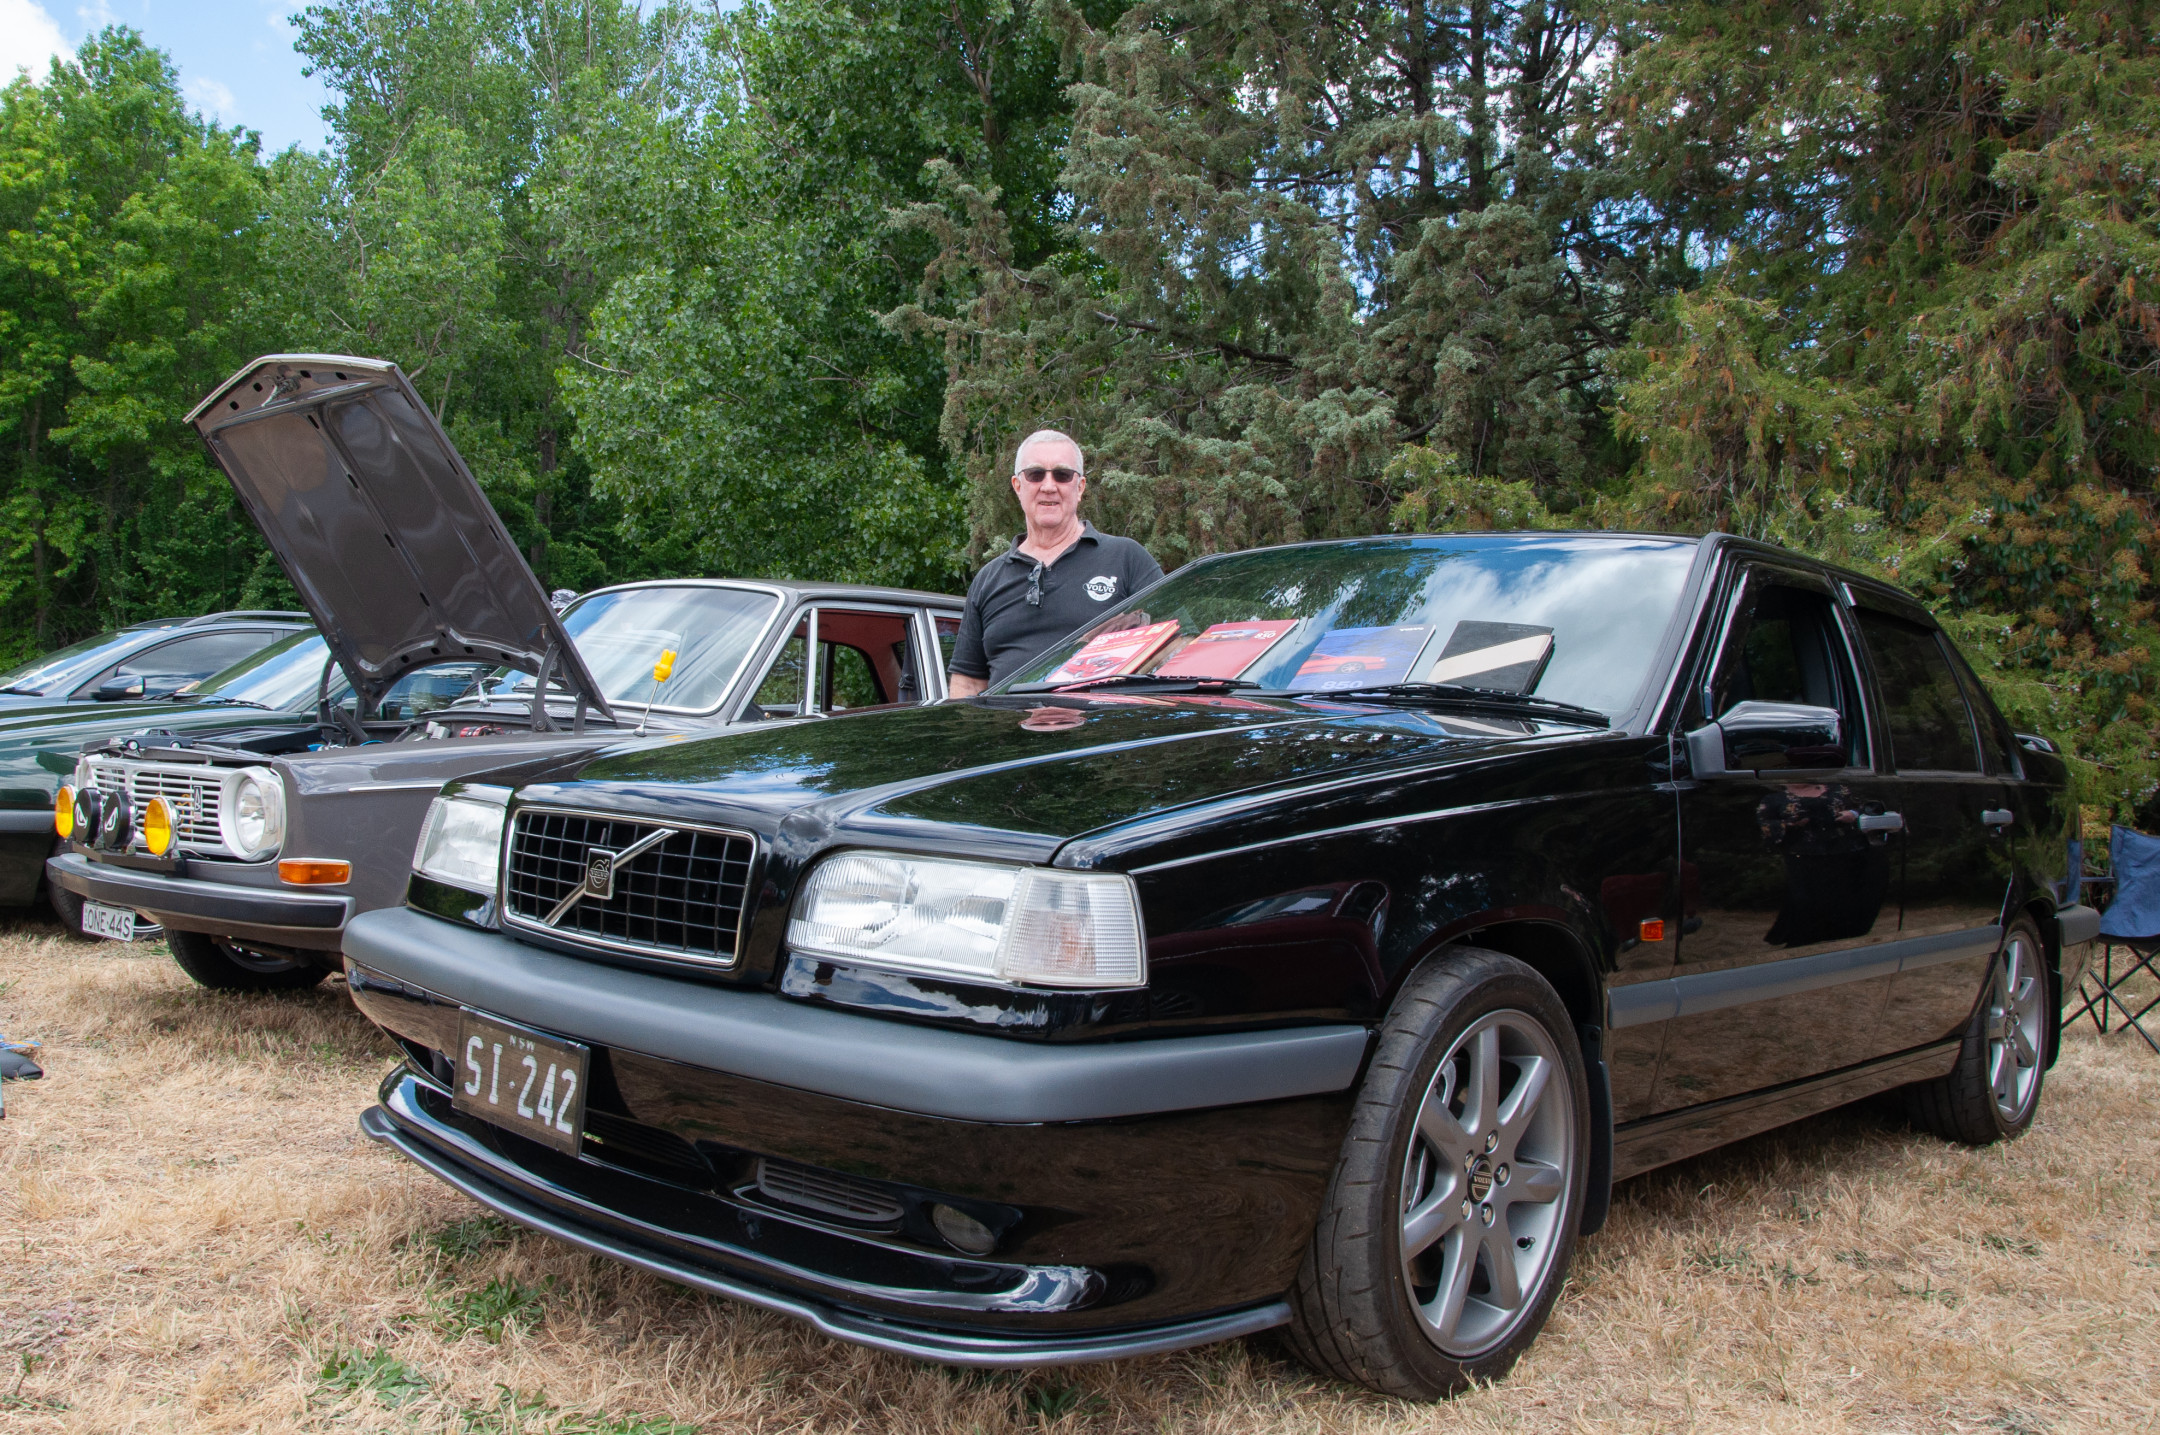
[(214, 698), (1127, 680), (26, 692), (1451, 696)]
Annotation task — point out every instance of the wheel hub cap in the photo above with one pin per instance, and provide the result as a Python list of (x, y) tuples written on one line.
[(1481, 1178)]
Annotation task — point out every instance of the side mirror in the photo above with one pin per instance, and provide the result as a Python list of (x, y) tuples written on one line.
[(1768, 737), (120, 690)]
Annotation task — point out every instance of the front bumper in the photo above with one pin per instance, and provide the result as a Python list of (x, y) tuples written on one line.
[(1139, 1203), (308, 921), (405, 1123)]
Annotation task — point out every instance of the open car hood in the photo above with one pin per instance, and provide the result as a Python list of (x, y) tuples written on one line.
[(379, 524)]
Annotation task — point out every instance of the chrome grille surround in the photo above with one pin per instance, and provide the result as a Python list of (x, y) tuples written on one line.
[(683, 897), (193, 791)]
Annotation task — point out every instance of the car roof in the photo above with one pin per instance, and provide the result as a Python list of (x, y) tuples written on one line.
[(800, 591)]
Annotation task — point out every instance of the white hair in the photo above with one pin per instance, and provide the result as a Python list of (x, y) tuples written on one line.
[(1050, 436)]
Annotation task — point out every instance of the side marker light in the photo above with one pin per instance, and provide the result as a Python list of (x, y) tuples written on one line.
[(1652, 929)]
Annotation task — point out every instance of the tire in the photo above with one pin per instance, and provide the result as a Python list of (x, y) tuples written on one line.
[(1994, 1090), (68, 908), (1442, 1126), (224, 967)]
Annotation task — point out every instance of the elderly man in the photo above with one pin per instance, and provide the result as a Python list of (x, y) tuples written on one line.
[(1059, 575)]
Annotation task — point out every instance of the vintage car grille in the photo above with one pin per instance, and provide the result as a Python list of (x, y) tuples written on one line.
[(192, 792), (681, 897), (826, 1192)]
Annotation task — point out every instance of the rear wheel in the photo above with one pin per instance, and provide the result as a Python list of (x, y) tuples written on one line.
[(1994, 1090), (227, 967), (1452, 1213)]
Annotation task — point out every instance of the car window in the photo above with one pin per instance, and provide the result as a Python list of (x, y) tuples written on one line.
[(850, 680), (780, 692), (622, 634), (948, 636), (283, 676), (426, 690), (1998, 744), (1785, 646), (1573, 617), (62, 670), (188, 658), (1930, 728)]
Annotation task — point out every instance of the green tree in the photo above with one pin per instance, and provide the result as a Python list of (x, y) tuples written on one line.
[(129, 227)]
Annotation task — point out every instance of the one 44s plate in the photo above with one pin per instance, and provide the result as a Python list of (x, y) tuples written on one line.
[(521, 1080), (114, 923)]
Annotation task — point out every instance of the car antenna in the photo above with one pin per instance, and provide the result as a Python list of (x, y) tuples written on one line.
[(660, 673)]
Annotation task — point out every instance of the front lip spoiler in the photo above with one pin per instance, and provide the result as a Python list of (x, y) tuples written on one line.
[(943, 1347), (190, 904)]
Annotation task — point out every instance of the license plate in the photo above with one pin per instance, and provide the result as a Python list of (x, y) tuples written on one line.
[(521, 1080), (115, 923)]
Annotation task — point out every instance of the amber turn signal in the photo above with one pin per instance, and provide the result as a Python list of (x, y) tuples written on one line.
[(157, 826), (1653, 929), (63, 811), (313, 871)]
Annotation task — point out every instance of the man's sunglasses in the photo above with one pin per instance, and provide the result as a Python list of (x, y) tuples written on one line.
[(1037, 475)]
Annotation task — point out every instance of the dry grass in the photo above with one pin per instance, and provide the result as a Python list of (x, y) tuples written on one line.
[(197, 1238)]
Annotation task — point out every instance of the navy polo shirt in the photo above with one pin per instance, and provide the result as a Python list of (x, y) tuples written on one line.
[(1000, 630)]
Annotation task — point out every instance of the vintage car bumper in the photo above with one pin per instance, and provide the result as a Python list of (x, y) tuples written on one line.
[(312, 921), (1148, 1195)]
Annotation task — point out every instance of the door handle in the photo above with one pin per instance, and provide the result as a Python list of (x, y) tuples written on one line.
[(1997, 817), (1882, 822)]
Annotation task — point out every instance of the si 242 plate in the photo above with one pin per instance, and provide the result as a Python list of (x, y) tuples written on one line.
[(521, 1080)]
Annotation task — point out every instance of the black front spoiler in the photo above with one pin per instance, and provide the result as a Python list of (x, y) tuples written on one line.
[(400, 1123)]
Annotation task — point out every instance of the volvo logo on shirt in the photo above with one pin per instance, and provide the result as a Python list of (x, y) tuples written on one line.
[(1102, 587)]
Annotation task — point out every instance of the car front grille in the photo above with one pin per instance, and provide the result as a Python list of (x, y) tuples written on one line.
[(681, 897), (191, 792)]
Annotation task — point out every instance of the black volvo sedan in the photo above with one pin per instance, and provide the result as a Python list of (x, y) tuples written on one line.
[(1311, 945)]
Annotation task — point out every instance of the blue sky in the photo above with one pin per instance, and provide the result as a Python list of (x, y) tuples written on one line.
[(236, 60)]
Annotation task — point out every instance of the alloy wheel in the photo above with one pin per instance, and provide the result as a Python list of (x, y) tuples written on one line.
[(2014, 1027), (1486, 1182)]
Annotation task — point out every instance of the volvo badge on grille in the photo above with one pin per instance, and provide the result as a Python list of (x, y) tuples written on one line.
[(600, 874)]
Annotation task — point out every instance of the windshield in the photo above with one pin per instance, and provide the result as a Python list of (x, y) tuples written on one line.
[(58, 672), (622, 634), (1570, 617), (283, 676)]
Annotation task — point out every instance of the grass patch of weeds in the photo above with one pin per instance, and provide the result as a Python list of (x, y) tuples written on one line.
[(499, 1306), (515, 1414), (390, 1380), (1055, 1402), (462, 1240), (2010, 1245)]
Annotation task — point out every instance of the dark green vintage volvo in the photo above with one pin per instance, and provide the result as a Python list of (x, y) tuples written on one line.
[(1312, 944)]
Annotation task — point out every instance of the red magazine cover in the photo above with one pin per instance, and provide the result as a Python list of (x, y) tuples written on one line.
[(1114, 653), (1225, 650)]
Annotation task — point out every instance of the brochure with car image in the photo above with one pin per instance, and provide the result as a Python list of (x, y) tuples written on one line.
[(1109, 654), (1361, 657), (1497, 657), (1225, 650)]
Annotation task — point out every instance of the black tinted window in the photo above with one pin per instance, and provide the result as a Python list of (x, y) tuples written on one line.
[(195, 657), (1930, 728), (1785, 647)]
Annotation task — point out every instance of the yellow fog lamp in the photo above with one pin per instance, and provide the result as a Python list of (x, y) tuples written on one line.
[(158, 827), (63, 811)]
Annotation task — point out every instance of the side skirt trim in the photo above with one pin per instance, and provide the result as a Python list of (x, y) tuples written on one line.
[(1674, 1135)]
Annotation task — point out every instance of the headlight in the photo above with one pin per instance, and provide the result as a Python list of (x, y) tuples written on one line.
[(1030, 926), (461, 841), (252, 816)]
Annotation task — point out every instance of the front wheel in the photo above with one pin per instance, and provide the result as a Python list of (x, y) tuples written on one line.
[(1451, 1217), (1994, 1090), (224, 966)]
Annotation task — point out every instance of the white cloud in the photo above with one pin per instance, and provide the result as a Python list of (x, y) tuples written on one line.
[(96, 16), (28, 39), (213, 97)]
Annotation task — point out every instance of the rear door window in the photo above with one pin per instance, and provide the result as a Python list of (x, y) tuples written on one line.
[(1931, 729)]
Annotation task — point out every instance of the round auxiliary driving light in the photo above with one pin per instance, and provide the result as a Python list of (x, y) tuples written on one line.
[(963, 1230), (89, 811), (63, 812), (157, 827), (116, 826)]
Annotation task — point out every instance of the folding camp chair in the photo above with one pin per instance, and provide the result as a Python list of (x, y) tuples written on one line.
[(2131, 922)]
